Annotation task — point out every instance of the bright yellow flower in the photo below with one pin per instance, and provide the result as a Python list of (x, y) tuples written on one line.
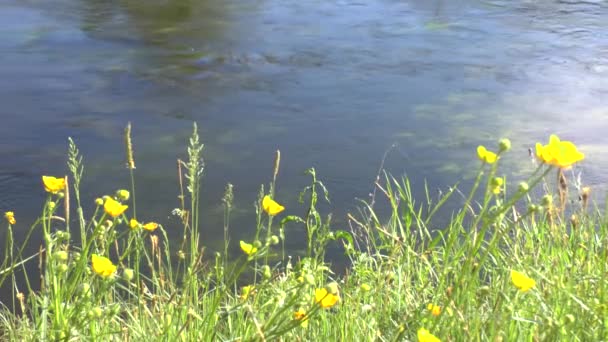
[(10, 217), (151, 226), (326, 299), (485, 155), (300, 315), (113, 207), (53, 184), (522, 281), (425, 336), (434, 309), (249, 249), (102, 265), (247, 291), (562, 154), (271, 207), (133, 223)]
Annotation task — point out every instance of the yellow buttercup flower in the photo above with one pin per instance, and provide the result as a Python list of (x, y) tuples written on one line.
[(151, 226), (271, 207), (248, 248), (113, 207), (486, 156), (326, 299), (133, 223), (102, 265), (425, 336), (522, 281), (300, 315), (53, 184), (247, 291), (10, 217), (434, 309), (562, 154)]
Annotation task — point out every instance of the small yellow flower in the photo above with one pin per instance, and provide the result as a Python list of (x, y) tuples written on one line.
[(53, 184), (10, 217), (249, 249), (485, 155), (113, 207), (102, 265), (365, 287), (133, 223), (247, 291), (271, 207), (434, 309), (425, 336), (522, 281), (326, 299), (300, 315), (151, 226), (562, 154)]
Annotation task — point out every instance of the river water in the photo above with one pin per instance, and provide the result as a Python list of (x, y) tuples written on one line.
[(332, 84)]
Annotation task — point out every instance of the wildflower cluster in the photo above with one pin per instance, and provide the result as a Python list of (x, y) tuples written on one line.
[(511, 264)]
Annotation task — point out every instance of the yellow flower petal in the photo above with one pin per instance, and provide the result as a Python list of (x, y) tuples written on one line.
[(326, 299), (271, 207), (113, 207), (133, 223), (521, 281), (562, 154), (10, 217), (425, 336), (102, 265), (247, 291), (151, 226), (434, 309), (249, 249), (486, 156), (53, 184)]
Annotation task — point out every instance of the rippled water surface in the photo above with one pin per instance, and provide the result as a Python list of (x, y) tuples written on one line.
[(332, 84)]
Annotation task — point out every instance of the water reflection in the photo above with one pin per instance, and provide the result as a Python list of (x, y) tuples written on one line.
[(332, 84)]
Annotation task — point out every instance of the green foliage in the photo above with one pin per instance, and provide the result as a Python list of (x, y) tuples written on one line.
[(407, 271)]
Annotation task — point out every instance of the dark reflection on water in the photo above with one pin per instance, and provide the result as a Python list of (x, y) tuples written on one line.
[(332, 84)]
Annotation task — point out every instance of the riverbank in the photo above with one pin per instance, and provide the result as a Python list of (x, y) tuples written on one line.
[(510, 265)]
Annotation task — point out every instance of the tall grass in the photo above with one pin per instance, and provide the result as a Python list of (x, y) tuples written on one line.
[(411, 276)]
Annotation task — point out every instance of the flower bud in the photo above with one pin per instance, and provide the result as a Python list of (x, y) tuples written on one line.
[(266, 272), (51, 206), (310, 279), (274, 240), (504, 145), (523, 187), (547, 200), (332, 288), (128, 274), (123, 195), (257, 244), (61, 256), (365, 287), (62, 268), (497, 181), (99, 202), (84, 290), (95, 312)]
